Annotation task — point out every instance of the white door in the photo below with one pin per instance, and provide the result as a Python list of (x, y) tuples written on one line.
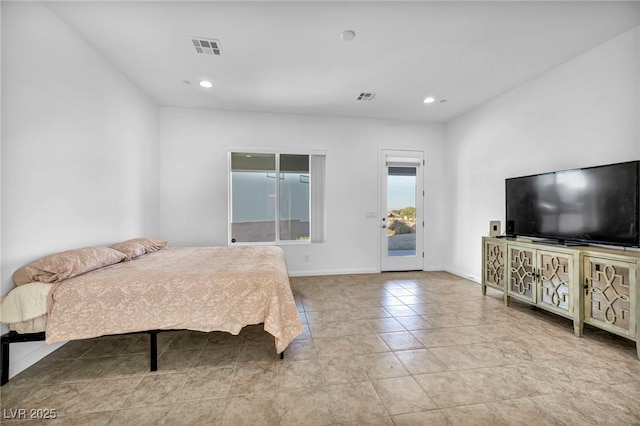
[(401, 212)]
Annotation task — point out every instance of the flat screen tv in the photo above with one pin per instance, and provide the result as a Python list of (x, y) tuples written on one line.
[(589, 205)]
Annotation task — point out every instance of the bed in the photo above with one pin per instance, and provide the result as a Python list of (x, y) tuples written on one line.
[(193, 288)]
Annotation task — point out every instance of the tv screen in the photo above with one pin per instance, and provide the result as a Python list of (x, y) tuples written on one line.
[(591, 205)]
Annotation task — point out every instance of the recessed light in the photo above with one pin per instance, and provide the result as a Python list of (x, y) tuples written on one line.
[(429, 100), (348, 35), (206, 84)]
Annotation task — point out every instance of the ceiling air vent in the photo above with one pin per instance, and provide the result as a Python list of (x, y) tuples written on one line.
[(365, 96), (206, 46)]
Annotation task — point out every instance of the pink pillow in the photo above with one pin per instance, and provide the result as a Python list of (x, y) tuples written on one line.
[(139, 247), (67, 264)]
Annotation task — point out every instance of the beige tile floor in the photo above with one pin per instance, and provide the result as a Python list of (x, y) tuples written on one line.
[(382, 349)]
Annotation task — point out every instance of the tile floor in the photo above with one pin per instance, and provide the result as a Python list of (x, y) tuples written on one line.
[(382, 349)]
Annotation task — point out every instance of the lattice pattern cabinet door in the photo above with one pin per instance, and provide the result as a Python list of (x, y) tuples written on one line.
[(494, 255), (609, 301), (521, 277), (555, 290)]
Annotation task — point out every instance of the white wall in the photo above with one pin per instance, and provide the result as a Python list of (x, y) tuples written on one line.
[(78, 148), (194, 183), (583, 113)]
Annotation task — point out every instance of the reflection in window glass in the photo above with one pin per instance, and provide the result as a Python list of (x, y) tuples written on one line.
[(253, 208)]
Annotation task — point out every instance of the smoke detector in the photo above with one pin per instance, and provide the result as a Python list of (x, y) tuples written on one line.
[(206, 46), (348, 35)]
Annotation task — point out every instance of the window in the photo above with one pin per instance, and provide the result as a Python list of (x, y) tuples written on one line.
[(276, 197)]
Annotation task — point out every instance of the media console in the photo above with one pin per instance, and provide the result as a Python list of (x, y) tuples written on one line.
[(588, 285)]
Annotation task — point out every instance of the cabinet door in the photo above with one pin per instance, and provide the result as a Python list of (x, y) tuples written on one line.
[(555, 281), (521, 273), (494, 273), (608, 300)]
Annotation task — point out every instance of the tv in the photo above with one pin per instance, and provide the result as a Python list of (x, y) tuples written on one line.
[(589, 205)]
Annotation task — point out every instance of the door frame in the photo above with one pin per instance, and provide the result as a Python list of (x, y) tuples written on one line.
[(410, 157)]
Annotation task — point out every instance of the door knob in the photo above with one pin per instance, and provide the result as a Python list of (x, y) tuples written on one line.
[(384, 226)]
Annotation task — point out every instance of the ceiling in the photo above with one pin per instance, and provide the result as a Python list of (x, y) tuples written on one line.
[(288, 57)]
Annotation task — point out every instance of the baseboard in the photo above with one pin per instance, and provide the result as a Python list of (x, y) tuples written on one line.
[(434, 268), (464, 274), (333, 272), (431, 268)]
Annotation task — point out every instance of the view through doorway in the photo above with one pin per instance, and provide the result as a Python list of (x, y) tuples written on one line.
[(401, 210)]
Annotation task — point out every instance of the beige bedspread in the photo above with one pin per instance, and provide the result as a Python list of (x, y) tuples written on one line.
[(198, 288)]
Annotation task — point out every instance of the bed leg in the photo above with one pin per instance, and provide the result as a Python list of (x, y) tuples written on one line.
[(282, 355), (5, 360), (14, 337), (153, 350)]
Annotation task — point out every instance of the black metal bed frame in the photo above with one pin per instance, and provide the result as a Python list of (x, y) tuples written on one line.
[(15, 337)]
